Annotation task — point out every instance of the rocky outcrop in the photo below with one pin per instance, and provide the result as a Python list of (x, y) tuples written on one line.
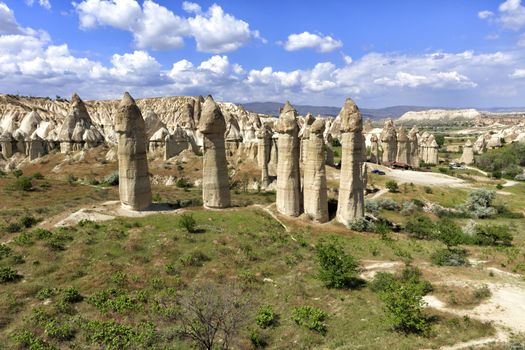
[(215, 180), (304, 134), (289, 201), (468, 153), (264, 135), (403, 146), (440, 115), (351, 203), (134, 182), (6, 144), (315, 188), (413, 148), (389, 142), (432, 152), (375, 153)]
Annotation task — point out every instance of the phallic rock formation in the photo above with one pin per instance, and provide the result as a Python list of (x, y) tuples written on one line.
[(134, 183), (288, 173), (389, 142), (413, 148), (403, 147), (6, 144), (264, 134), (468, 153), (329, 150), (37, 147), (432, 152), (375, 153), (351, 188), (215, 180), (315, 188), (304, 134)]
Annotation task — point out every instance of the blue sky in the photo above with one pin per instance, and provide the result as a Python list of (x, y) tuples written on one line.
[(381, 53)]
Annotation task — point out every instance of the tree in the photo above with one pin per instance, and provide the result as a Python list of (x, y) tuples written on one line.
[(449, 233), (337, 269), (211, 315)]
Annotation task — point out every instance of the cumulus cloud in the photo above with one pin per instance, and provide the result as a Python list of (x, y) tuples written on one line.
[(518, 73), (156, 27), (44, 3), (306, 40), (511, 15)]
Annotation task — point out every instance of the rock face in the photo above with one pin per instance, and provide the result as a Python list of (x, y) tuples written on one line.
[(288, 173), (389, 142), (264, 135), (413, 151), (375, 153), (403, 146), (134, 183), (315, 188), (432, 152), (468, 153), (304, 134), (351, 188), (215, 180), (329, 150), (440, 115), (6, 144)]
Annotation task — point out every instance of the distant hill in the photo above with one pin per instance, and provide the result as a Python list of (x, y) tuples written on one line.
[(272, 108)]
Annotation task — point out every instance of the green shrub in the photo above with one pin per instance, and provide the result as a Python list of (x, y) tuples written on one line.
[(182, 183), (361, 225), (71, 295), (13, 227), (17, 173), (59, 331), (23, 183), (480, 203), (266, 317), (115, 300), (420, 227), (45, 293), (30, 341), (382, 281), (337, 269), (112, 179), (37, 176), (257, 340), (7, 274), (5, 251), (23, 239), (427, 189), (187, 222), (195, 258), (310, 317), (110, 334), (497, 235), (449, 233), (42, 234), (392, 186), (28, 221), (450, 257), (404, 307)]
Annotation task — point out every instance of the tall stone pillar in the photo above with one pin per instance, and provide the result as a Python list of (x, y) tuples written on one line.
[(389, 142), (215, 179), (403, 149), (329, 150), (304, 134), (134, 183), (288, 173), (433, 152), (468, 153), (315, 188), (6, 144), (351, 187), (375, 154), (414, 148), (264, 134)]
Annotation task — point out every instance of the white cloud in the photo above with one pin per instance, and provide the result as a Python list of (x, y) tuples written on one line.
[(156, 27), (485, 14), (308, 40), (518, 73), (44, 3), (511, 15), (8, 24)]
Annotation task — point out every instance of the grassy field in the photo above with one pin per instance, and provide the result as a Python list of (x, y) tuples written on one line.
[(119, 284)]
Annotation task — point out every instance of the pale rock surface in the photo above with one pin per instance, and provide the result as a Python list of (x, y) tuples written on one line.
[(351, 204), (389, 142), (134, 182), (264, 135), (289, 199), (215, 180), (315, 187), (413, 151), (468, 153), (403, 146)]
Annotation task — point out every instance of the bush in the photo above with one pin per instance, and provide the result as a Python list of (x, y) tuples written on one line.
[(420, 227), (5, 251), (41, 234), (409, 208), (361, 225), (23, 183), (337, 269), (195, 258), (428, 189), (498, 235), (59, 331), (182, 183), (404, 306), (17, 173), (71, 295), (450, 257), (392, 186), (7, 274), (265, 317), (310, 317), (449, 233), (37, 176), (381, 281), (29, 340), (373, 205), (187, 222), (112, 179), (479, 203), (45, 293), (13, 227), (28, 221)]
